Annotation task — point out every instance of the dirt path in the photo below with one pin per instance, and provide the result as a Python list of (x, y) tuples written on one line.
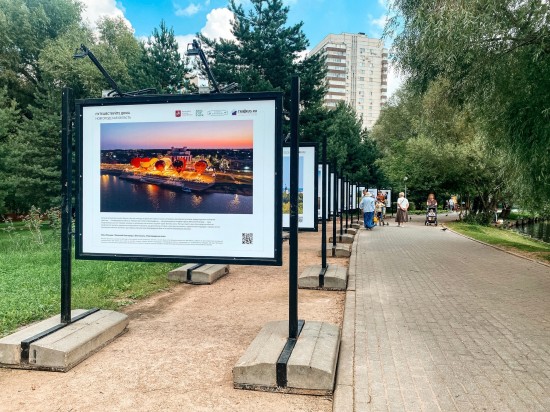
[(181, 347)]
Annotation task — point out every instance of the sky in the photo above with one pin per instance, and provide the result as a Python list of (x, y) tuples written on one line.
[(223, 134), (212, 18)]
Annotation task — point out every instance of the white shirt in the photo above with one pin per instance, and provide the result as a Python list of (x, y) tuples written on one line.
[(403, 203)]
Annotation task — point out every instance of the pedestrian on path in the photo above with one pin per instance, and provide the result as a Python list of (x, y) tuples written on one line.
[(402, 208), (367, 205)]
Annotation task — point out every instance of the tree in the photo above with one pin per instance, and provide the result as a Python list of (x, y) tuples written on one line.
[(440, 148), (349, 146), (266, 53), (9, 122), (26, 26), (35, 156), (496, 57), (164, 65)]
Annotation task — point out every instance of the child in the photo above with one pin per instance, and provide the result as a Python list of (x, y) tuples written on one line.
[(380, 212)]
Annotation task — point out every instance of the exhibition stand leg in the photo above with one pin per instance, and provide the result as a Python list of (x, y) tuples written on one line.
[(294, 364), (61, 342)]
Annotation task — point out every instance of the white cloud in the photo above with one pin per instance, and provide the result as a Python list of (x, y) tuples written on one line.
[(97, 9), (301, 55), (218, 24), (379, 22), (187, 11)]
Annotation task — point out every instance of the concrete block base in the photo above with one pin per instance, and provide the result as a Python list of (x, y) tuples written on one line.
[(335, 278), (356, 225), (351, 231), (339, 251), (66, 347), (345, 238), (311, 368), (203, 275)]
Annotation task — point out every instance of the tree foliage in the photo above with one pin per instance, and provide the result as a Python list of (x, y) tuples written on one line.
[(495, 55), (163, 63), (266, 53), (26, 26), (439, 148), (37, 42), (35, 156), (9, 123)]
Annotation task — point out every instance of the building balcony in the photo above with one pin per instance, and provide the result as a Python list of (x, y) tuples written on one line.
[(335, 49)]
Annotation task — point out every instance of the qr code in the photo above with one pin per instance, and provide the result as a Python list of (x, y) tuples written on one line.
[(248, 238)]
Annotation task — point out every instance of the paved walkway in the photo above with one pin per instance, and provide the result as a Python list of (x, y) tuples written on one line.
[(437, 322)]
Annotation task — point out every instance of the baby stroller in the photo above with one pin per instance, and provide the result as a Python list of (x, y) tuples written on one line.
[(431, 216)]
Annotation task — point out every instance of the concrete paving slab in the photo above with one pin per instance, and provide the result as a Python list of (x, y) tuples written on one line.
[(345, 238), (312, 365), (10, 346), (429, 310), (69, 346), (339, 251), (203, 275), (335, 277)]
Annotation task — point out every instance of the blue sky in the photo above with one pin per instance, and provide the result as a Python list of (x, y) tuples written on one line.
[(211, 18), (320, 17)]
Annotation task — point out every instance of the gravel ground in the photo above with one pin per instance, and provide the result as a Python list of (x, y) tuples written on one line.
[(181, 346)]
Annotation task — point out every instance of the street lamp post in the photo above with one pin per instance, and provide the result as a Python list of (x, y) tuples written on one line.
[(405, 180)]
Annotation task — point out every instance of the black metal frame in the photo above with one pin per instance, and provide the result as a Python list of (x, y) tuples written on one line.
[(325, 173), (295, 325), (335, 206), (315, 227), (277, 97), (327, 189)]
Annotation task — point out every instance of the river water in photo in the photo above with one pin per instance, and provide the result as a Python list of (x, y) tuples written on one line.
[(539, 230), (119, 195)]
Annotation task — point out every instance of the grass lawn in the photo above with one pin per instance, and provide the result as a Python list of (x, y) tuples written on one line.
[(30, 279), (506, 239)]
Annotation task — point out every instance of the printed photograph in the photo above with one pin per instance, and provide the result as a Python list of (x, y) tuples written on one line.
[(177, 167), (286, 185)]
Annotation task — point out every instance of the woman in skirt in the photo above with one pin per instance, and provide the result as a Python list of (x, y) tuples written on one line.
[(402, 206)]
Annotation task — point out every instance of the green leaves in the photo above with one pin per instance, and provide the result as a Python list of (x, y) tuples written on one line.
[(265, 53), (494, 57), (164, 66)]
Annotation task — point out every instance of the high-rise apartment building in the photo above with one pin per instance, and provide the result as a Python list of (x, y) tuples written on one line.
[(357, 70)]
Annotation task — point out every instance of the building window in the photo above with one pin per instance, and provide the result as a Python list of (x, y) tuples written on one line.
[(361, 79)]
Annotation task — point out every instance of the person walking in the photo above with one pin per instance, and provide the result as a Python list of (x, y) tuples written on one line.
[(367, 206), (402, 207)]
